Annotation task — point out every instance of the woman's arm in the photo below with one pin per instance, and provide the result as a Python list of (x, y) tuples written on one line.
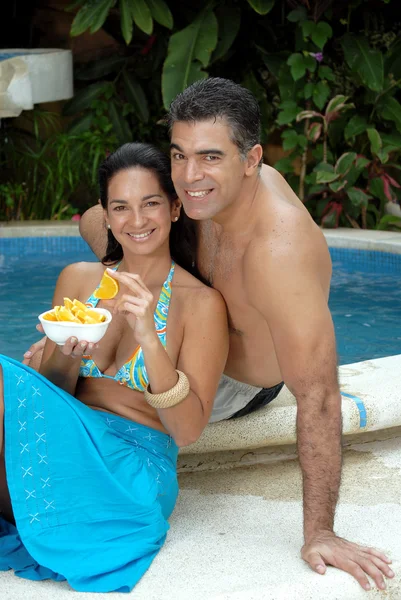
[(202, 355), (60, 364), (202, 358)]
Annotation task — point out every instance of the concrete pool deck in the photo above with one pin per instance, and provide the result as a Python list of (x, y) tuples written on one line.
[(236, 532)]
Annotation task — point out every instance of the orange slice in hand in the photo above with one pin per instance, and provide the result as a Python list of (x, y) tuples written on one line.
[(107, 289)]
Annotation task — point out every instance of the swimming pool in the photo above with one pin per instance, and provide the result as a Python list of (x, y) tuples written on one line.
[(364, 299)]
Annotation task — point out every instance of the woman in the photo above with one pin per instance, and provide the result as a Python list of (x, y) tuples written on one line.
[(91, 444)]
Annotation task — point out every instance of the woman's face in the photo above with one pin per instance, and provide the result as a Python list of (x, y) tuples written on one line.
[(139, 212)]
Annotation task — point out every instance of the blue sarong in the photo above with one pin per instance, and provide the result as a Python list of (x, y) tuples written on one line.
[(91, 491)]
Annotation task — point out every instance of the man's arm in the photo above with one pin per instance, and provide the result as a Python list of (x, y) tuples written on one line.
[(283, 284), (92, 229)]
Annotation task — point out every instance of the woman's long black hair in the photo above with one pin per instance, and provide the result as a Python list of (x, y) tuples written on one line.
[(183, 233)]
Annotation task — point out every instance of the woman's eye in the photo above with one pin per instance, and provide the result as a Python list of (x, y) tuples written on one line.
[(152, 203)]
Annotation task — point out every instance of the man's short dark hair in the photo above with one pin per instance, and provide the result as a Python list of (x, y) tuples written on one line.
[(216, 98)]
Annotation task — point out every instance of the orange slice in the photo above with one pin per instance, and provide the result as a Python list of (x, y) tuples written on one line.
[(68, 303), (99, 318), (107, 289), (64, 314), (50, 316), (90, 321), (78, 305)]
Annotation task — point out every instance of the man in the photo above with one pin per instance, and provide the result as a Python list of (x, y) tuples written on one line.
[(260, 248)]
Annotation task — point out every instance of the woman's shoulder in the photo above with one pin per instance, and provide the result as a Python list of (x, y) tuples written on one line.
[(84, 269)]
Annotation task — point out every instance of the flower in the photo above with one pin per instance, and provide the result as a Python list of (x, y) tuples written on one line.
[(75, 217), (317, 55)]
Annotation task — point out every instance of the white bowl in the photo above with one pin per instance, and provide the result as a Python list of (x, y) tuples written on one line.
[(60, 331)]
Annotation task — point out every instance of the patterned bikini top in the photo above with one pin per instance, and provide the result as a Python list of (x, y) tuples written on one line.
[(133, 373)]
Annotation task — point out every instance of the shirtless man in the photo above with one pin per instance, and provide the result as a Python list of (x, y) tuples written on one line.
[(260, 248)]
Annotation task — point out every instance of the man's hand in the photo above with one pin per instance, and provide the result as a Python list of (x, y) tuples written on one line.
[(328, 549), (34, 354)]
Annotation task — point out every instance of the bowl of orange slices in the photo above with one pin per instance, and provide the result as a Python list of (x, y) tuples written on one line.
[(75, 319)]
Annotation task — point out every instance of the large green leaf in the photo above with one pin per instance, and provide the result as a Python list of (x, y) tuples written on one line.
[(364, 61), (161, 13), (127, 25), (142, 16), (391, 109), (136, 97), (120, 126), (84, 98), (229, 19), (91, 16), (262, 6), (188, 51)]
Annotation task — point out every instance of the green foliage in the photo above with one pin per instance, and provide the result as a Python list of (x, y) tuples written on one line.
[(331, 94), (189, 50)]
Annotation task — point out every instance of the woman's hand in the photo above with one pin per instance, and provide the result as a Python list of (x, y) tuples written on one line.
[(136, 304), (75, 349)]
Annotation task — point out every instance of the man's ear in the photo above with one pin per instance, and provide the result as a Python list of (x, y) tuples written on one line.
[(255, 155)]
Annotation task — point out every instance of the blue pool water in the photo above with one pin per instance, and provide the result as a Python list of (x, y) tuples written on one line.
[(364, 300)]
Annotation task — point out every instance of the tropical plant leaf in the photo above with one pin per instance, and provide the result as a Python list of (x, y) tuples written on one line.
[(364, 61), (80, 125), (290, 139), (188, 51), (229, 19), (345, 162), (91, 16), (297, 65), (288, 112), (358, 197), (325, 177), (127, 25), (321, 92), (84, 98), (120, 125), (336, 103), (391, 109), (375, 140), (161, 13), (100, 68), (387, 220), (356, 125), (136, 96), (142, 16), (262, 7), (321, 33), (298, 14)]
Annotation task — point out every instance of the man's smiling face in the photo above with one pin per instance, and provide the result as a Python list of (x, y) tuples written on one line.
[(206, 167)]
